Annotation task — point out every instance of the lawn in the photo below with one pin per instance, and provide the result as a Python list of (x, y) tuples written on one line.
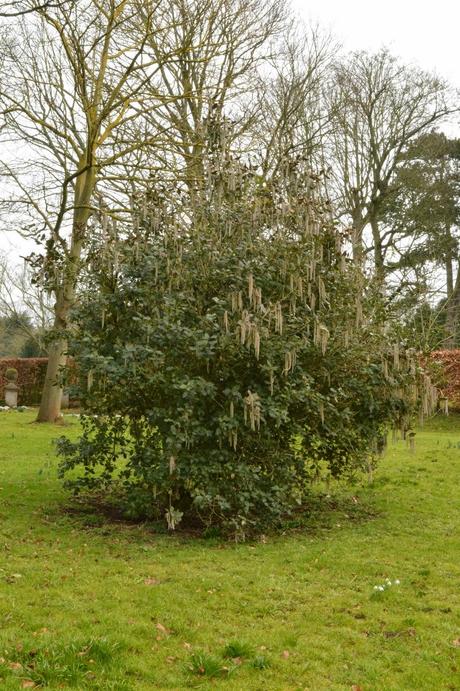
[(89, 603)]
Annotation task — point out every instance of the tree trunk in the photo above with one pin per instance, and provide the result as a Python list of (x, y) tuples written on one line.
[(449, 275), (453, 296), (453, 312), (379, 263), (357, 238), (50, 404)]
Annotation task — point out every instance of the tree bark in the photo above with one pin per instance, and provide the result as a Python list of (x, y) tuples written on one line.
[(453, 295), (379, 262), (50, 404), (453, 312), (357, 230)]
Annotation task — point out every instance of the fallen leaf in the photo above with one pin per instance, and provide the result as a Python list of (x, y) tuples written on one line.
[(27, 684), (151, 581), (285, 654), (456, 643), (163, 629), (187, 646), (355, 687), (15, 665), (171, 659)]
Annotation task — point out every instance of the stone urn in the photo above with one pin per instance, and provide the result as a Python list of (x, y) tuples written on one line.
[(11, 388)]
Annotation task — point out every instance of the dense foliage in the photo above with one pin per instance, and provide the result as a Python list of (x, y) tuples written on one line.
[(233, 354)]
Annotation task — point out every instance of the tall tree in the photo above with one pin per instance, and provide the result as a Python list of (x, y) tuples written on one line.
[(421, 218), (209, 90), (378, 107), (292, 114), (72, 86), (19, 296)]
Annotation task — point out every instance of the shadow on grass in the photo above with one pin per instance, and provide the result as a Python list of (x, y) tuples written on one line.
[(321, 512)]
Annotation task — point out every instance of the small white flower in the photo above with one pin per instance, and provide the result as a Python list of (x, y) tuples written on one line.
[(376, 587), (397, 581), (388, 582), (381, 587)]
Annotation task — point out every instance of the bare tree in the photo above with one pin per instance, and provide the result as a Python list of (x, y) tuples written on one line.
[(20, 9), (19, 295), (72, 86), (292, 118), (220, 47), (378, 106)]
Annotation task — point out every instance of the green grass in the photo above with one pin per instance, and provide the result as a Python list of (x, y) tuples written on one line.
[(87, 603)]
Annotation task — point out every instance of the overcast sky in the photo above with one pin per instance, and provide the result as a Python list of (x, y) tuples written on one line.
[(419, 31)]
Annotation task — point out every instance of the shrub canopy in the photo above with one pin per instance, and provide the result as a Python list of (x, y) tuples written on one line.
[(233, 354)]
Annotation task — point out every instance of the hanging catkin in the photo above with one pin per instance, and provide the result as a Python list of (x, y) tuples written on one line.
[(396, 356), (250, 288), (359, 312), (321, 292), (252, 410), (278, 313), (321, 336)]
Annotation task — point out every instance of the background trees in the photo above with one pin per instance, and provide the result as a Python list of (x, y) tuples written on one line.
[(379, 107), (71, 85), (422, 214), (108, 107), (25, 312)]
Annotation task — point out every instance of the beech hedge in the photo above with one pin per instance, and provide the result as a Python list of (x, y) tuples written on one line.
[(31, 377)]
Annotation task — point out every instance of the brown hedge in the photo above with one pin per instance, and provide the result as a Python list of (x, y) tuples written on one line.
[(445, 371), (31, 376)]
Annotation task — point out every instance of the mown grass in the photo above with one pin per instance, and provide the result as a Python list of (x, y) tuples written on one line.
[(89, 603)]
